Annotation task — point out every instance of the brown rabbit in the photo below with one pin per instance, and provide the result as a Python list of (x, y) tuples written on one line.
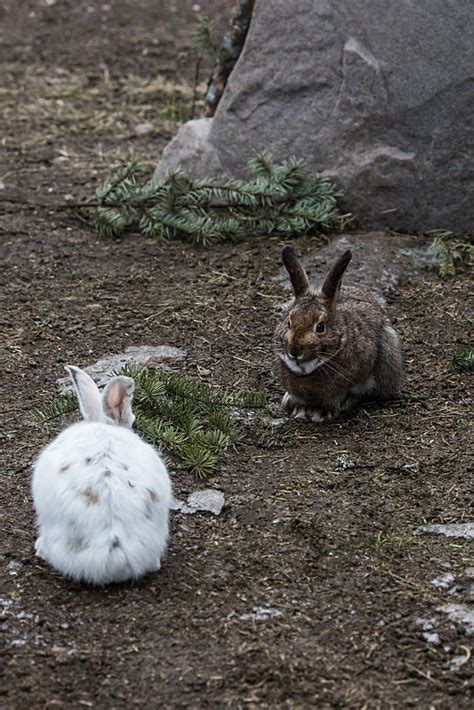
[(335, 347)]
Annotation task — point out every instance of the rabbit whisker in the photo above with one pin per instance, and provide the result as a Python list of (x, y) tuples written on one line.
[(337, 370)]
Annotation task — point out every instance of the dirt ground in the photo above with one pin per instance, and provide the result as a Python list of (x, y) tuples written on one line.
[(318, 526)]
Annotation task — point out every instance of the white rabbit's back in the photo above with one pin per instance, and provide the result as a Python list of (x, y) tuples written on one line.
[(102, 499)]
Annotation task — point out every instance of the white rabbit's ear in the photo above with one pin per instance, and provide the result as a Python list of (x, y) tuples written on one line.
[(88, 395), (117, 400)]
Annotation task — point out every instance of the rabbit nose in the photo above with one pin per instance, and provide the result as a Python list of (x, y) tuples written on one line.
[(295, 351)]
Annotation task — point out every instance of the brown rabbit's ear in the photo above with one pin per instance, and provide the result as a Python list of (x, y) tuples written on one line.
[(296, 272), (332, 282)]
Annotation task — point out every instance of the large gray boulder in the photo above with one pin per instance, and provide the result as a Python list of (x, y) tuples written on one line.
[(377, 94)]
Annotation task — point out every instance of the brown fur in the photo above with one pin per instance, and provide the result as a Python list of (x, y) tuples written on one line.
[(77, 544), (358, 354), (91, 498)]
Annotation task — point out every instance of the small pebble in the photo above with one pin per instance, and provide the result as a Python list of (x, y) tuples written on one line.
[(143, 129)]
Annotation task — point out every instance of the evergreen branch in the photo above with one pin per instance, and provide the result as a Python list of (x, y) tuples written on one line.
[(60, 407), (449, 253), (193, 423), (206, 37), (287, 199), (464, 361), (199, 460)]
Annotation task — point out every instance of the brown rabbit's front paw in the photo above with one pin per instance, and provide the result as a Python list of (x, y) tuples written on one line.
[(289, 403), (311, 414), (304, 413)]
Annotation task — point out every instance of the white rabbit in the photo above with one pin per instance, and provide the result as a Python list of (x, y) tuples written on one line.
[(101, 494)]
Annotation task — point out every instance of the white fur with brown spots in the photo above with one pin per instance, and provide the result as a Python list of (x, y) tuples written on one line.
[(101, 494)]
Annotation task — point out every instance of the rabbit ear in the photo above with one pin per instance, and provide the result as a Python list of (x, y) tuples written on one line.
[(296, 272), (88, 395), (117, 400), (332, 282)]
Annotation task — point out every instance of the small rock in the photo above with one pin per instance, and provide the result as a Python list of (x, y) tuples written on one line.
[(465, 530), (192, 150), (143, 129), (443, 582), (412, 467), (209, 500), (343, 461), (149, 355), (14, 567), (460, 614), (469, 572)]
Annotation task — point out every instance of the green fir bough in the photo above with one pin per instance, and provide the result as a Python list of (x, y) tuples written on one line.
[(450, 253), (192, 423), (464, 361), (287, 199)]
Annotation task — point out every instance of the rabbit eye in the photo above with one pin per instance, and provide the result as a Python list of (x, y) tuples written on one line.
[(321, 327), (289, 322)]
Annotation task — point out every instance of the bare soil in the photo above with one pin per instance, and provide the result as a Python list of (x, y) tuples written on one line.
[(319, 524)]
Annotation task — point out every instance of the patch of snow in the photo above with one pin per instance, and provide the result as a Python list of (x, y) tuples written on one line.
[(261, 613), (458, 661), (6, 602), (24, 615), (460, 614), (465, 530), (426, 624), (431, 637), (443, 582)]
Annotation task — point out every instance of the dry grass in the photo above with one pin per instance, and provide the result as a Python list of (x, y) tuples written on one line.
[(46, 106)]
